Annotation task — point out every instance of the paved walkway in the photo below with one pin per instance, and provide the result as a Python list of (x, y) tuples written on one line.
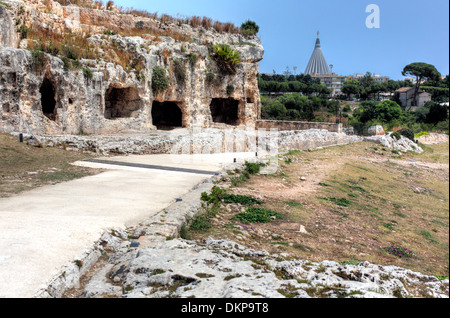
[(44, 229)]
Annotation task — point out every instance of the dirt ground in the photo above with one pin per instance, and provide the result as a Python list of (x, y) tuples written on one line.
[(24, 167), (347, 203)]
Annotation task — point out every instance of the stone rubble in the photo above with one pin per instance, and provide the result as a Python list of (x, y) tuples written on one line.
[(403, 144)]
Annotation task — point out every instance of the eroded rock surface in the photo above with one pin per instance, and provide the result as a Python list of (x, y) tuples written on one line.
[(111, 92)]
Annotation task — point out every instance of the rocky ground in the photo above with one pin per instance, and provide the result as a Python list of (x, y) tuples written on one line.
[(152, 261), (224, 269)]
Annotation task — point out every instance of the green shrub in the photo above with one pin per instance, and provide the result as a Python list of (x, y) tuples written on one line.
[(226, 58), (241, 199), (109, 32), (408, 133), (257, 215), (249, 28), (253, 168), (230, 90), (23, 30), (200, 223), (180, 71), (215, 197), (184, 233), (88, 74), (38, 59), (192, 58), (396, 136), (341, 201), (210, 77), (160, 82)]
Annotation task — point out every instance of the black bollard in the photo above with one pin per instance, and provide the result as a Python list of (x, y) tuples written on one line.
[(21, 137)]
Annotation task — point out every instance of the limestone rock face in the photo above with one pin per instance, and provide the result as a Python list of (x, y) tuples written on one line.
[(42, 93), (403, 144), (8, 36), (376, 130)]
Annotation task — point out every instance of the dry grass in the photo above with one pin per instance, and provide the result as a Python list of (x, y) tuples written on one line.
[(24, 167), (355, 200), (165, 19)]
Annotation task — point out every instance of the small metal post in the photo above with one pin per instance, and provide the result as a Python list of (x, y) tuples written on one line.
[(21, 137), (234, 160)]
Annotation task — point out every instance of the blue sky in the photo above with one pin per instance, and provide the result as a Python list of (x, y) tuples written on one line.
[(410, 31)]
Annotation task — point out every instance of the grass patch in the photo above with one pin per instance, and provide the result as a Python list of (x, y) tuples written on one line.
[(428, 236), (341, 201), (258, 215), (293, 203), (23, 167), (241, 199)]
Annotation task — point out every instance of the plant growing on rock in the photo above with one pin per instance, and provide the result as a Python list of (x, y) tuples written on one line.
[(180, 71), (249, 28), (408, 133), (160, 82), (226, 58)]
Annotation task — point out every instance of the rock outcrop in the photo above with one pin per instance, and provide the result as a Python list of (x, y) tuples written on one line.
[(433, 138), (391, 142), (73, 70)]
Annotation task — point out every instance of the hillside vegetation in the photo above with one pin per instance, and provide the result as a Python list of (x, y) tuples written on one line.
[(348, 204)]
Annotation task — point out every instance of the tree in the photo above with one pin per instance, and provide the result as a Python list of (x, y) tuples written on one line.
[(351, 87), (422, 71), (388, 111), (384, 112), (437, 113), (366, 85), (275, 110)]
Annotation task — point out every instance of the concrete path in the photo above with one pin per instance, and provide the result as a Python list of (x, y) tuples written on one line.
[(44, 229)]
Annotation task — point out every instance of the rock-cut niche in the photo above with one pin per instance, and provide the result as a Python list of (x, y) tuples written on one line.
[(48, 101), (225, 111), (167, 115), (122, 102)]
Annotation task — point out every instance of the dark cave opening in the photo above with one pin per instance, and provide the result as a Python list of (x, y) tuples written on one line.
[(167, 115), (121, 102), (225, 111), (48, 101)]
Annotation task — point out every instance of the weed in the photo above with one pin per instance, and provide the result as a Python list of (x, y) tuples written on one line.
[(350, 263), (204, 275), (428, 236), (230, 277), (341, 201), (180, 71), (157, 271), (192, 58), (399, 251), (184, 233), (230, 90), (258, 215), (241, 199), (293, 203), (88, 74), (200, 223), (160, 82), (389, 226)]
